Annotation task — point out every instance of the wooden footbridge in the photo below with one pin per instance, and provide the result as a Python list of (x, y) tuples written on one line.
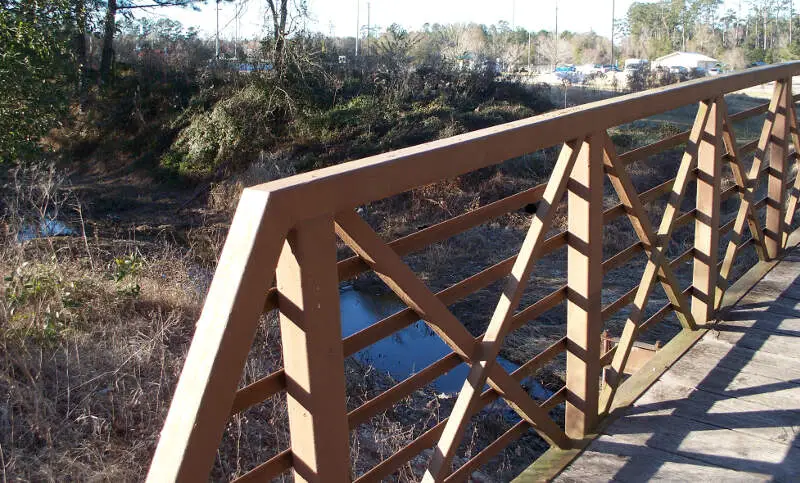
[(720, 400)]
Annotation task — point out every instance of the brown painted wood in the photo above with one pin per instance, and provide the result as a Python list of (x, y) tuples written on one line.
[(205, 392), (485, 354), (585, 280), (312, 353), (794, 191), (778, 149), (706, 226), (312, 194), (272, 468), (656, 265), (746, 214), (489, 452), (730, 404), (258, 391), (399, 277), (428, 439)]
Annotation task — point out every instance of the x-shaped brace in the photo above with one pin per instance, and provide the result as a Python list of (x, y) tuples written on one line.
[(358, 235)]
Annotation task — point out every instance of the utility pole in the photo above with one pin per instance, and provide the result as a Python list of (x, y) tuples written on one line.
[(555, 58), (529, 52), (236, 31), (612, 34), (358, 24), (369, 27), (216, 43)]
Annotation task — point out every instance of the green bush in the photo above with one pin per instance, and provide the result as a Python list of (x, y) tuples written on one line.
[(229, 134)]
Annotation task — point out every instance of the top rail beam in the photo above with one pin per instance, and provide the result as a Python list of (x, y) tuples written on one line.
[(351, 184)]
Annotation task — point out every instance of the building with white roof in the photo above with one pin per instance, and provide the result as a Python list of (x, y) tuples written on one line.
[(690, 60)]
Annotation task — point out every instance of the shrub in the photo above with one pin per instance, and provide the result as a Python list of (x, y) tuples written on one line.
[(229, 134)]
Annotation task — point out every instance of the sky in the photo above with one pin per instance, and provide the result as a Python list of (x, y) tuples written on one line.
[(339, 16)]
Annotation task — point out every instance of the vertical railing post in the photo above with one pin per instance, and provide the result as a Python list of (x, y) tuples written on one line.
[(776, 176), (706, 227), (584, 280), (313, 358)]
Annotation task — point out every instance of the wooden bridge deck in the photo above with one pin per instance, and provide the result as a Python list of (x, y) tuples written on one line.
[(728, 410)]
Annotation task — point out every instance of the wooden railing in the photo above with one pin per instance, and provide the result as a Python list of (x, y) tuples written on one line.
[(289, 228)]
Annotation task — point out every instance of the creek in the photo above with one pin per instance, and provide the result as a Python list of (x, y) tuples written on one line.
[(411, 349)]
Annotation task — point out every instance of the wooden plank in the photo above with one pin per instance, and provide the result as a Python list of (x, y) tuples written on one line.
[(770, 341), (348, 185), (418, 240), (398, 276), (745, 214), (555, 460), (712, 445), (663, 400), (268, 470), (681, 138), (585, 282), (623, 256), (402, 389), (610, 460), (658, 316), (618, 304), (396, 393), (748, 360), (205, 392), (489, 452), (778, 149), (654, 148), (794, 191), (386, 467), (485, 354), (312, 353), (779, 304), (699, 370), (258, 391), (656, 267), (391, 324), (648, 196), (748, 113), (706, 227), (786, 274)]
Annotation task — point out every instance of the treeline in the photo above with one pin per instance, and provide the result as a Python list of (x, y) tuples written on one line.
[(762, 32), (66, 56)]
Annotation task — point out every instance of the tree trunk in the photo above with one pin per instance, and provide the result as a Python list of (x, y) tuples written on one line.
[(279, 13), (280, 37), (107, 57), (79, 46)]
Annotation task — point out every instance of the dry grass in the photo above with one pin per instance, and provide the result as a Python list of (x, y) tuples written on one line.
[(94, 333)]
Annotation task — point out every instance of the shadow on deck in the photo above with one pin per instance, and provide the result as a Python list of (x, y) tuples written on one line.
[(728, 410)]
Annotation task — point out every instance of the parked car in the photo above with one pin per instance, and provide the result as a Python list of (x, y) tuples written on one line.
[(756, 64), (591, 69), (636, 64), (678, 70)]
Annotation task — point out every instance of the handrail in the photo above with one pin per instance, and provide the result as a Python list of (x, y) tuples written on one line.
[(407, 168), (286, 227)]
